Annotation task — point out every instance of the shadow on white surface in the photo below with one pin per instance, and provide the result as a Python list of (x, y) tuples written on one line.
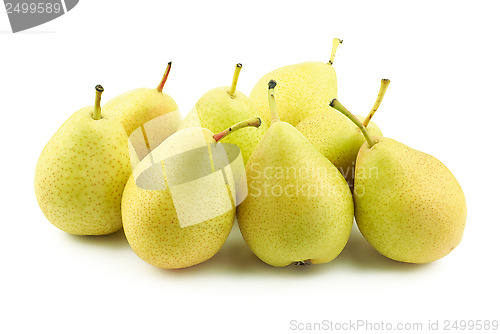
[(113, 241), (235, 257), (359, 253)]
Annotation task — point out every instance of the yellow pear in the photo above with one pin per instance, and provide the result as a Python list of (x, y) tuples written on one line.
[(339, 139), (150, 113), (179, 205), (304, 89), (299, 208), (408, 205), (81, 173), (221, 107)]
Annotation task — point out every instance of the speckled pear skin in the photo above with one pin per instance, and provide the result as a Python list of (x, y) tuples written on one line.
[(337, 138), (294, 225), (217, 111), (152, 229), (304, 88), (81, 174), (408, 205), (139, 106)]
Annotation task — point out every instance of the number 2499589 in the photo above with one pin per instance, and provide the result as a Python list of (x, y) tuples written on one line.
[(33, 8), (477, 325)]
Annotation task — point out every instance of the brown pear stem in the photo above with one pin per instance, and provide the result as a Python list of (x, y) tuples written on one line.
[(255, 122), (275, 117), (237, 71), (383, 87), (97, 106), (337, 105), (164, 78), (336, 43)]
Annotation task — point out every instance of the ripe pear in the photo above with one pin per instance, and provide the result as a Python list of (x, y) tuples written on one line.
[(146, 112), (339, 139), (304, 89), (408, 205), (221, 107), (299, 208), (179, 205), (81, 173)]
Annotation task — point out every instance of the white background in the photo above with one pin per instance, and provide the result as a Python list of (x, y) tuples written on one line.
[(443, 61)]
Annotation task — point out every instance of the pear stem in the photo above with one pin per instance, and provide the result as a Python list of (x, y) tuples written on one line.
[(337, 105), (97, 106), (237, 71), (383, 87), (255, 122), (164, 78), (336, 43), (275, 117)]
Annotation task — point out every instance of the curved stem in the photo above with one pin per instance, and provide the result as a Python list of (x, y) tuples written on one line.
[(336, 43), (275, 117), (237, 71), (337, 105), (255, 122), (383, 87), (97, 106), (164, 78)]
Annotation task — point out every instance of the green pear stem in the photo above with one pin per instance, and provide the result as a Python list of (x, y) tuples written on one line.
[(97, 106), (275, 117), (336, 43), (237, 71), (383, 87), (164, 78), (337, 105), (255, 122)]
